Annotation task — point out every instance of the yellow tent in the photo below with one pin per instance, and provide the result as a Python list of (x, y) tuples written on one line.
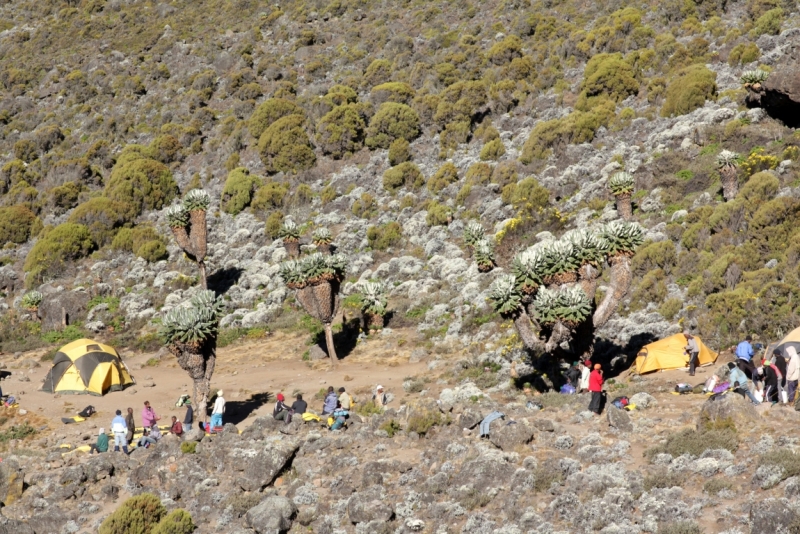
[(668, 353), (792, 339), (86, 366)]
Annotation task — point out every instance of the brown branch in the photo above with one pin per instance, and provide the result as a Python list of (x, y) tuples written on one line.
[(620, 283), (587, 278)]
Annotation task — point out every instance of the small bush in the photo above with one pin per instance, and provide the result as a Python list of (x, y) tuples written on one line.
[(273, 225), (25, 150), (137, 515), (493, 150), (240, 503), (670, 308), (176, 522), (17, 225), (188, 447), (544, 476), (606, 76), (577, 127), (680, 527), (696, 442), (271, 195), (65, 196), (17, 432), (285, 147), (421, 423), (446, 175), (743, 53), (769, 23), (716, 485), (269, 112), (365, 207), (141, 184), (378, 72), (103, 218), (368, 408), (384, 236), (341, 131), (143, 241), (392, 121), (399, 152), (165, 148), (438, 214), (64, 243), (478, 173), (238, 191), (662, 479), (689, 90), (398, 92), (391, 427), (405, 174), (506, 50), (786, 460), (328, 194)]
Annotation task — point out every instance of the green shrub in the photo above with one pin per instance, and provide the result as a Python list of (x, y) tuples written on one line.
[(188, 447), (422, 422), (328, 194), (657, 255), (176, 522), (65, 196), (696, 442), (527, 195), (478, 173), (273, 225), (760, 188), (716, 485), (25, 150), (368, 408), (787, 461), (17, 432), (342, 94), (341, 131), (365, 207), (269, 112), (384, 236), (240, 503), (399, 152), (103, 218), (378, 72), (391, 427), (238, 190), (769, 23), (446, 175), (662, 479), (143, 241), (680, 527), (17, 225), (137, 515), (270, 195), (743, 53), (13, 172), (506, 50), (544, 476), (392, 121), (141, 184), (438, 214), (285, 147), (64, 243), (670, 308), (689, 90), (577, 127), (493, 150), (606, 76), (398, 92), (48, 137), (406, 174)]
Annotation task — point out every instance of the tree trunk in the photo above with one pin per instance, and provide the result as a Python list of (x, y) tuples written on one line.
[(198, 234), (324, 248), (199, 362), (292, 248), (329, 344), (620, 283), (587, 278), (624, 207), (526, 330), (182, 238), (203, 280), (730, 183)]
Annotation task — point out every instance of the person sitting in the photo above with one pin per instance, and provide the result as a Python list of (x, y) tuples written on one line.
[(155, 432), (379, 397), (177, 427), (738, 381), (340, 416), (145, 441), (281, 412), (345, 399), (329, 404), (299, 405), (102, 443)]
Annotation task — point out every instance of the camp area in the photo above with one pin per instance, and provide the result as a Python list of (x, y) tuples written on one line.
[(669, 353), (85, 366)]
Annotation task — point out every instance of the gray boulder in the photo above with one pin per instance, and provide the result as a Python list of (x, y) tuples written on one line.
[(643, 400), (258, 467), (511, 435), (619, 419), (272, 515), (772, 516), (63, 309), (369, 505), (735, 407), (11, 479)]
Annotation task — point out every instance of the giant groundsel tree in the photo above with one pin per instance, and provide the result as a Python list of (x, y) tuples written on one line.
[(190, 333), (317, 279), (188, 223), (550, 294)]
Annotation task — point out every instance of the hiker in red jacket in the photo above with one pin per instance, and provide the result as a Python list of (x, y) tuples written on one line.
[(596, 388)]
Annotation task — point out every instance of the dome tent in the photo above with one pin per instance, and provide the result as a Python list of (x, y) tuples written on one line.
[(668, 353), (86, 366)]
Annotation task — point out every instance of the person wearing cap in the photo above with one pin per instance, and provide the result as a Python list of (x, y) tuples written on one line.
[(744, 355), (219, 409), (102, 443), (379, 397), (329, 404), (281, 411), (596, 387), (574, 375), (586, 370), (692, 350), (189, 417), (345, 399)]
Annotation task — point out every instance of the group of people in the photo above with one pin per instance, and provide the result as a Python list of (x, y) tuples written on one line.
[(336, 407), (122, 428), (774, 377), (583, 377)]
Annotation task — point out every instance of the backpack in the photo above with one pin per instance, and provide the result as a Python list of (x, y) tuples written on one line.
[(683, 388), (88, 411), (620, 402), (721, 387), (567, 389)]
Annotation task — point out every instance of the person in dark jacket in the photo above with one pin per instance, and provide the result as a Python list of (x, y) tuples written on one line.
[(574, 375), (779, 361), (281, 411), (299, 405), (189, 417), (770, 383), (596, 388), (131, 425)]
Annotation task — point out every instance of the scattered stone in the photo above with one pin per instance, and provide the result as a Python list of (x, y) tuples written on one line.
[(619, 419), (316, 353), (508, 435), (273, 514), (11, 481), (643, 400)]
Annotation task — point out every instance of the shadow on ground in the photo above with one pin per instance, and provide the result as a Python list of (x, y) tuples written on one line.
[(237, 411)]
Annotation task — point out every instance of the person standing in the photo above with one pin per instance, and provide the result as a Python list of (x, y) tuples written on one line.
[(770, 382), (596, 388), (177, 427), (379, 397), (345, 399), (792, 373), (120, 430), (744, 354), (586, 370), (219, 409), (189, 417), (329, 404), (149, 416), (692, 350), (779, 361), (574, 375), (102, 443), (131, 425)]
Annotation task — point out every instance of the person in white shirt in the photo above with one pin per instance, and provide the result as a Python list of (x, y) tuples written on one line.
[(219, 409), (792, 372), (586, 370)]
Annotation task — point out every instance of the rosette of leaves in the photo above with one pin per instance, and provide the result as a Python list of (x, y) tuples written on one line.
[(621, 185), (622, 238), (188, 224), (727, 163), (31, 302), (590, 248), (572, 305), (190, 333), (291, 274), (506, 299), (546, 305), (754, 78), (473, 232), (528, 269), (560, 262), (290, 233), (322, 239), (373, 304), (484, 255)]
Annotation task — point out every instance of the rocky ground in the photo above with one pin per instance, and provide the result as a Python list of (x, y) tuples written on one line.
[(421, 466)]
